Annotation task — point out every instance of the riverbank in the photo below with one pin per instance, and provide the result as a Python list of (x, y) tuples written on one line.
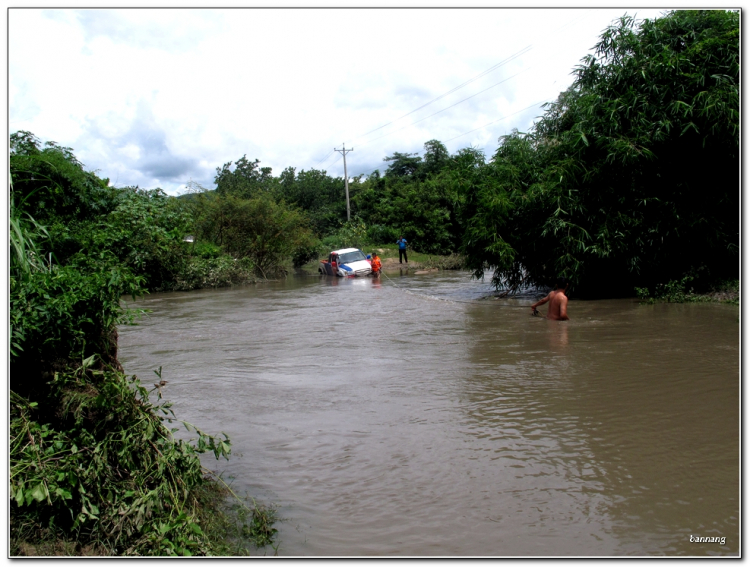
[(232, 528), (679, 291), (418, 262), (96, 469)]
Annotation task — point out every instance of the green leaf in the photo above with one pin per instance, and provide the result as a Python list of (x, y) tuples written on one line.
[(39, 492), (63, 493)]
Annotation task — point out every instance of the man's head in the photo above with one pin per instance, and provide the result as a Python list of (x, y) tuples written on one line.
[(374, 254), (561, 283)]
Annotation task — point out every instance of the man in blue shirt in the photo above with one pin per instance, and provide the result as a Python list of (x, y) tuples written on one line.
[(402, 249)]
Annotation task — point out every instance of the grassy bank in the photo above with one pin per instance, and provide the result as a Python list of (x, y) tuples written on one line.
[(682, 291)]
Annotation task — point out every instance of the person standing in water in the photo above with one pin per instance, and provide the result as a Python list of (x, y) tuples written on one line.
[(402, 249), (376, 264), (558, 301)]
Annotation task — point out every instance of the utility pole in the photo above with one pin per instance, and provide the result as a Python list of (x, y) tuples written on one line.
[(343, 152)]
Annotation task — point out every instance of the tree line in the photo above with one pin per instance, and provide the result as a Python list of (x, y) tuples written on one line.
[(629, 179)]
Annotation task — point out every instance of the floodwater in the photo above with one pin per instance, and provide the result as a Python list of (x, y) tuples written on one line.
[(408, 417)]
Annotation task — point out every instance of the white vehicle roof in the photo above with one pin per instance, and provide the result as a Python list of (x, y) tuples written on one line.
[(345, 250)]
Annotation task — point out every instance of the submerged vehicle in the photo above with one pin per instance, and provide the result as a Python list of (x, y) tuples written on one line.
[(346, 262)]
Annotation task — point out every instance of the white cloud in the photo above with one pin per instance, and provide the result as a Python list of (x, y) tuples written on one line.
[(156, 97)]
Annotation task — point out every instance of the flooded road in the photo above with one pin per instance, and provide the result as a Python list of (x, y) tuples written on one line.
[(408, 418)]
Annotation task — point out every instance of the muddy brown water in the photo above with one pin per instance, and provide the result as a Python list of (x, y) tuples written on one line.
[(404, 418)]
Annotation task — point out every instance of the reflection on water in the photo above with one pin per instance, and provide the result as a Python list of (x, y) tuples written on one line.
[(408, 416)]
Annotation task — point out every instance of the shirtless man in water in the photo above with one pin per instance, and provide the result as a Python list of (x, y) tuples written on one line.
[(558, 302)]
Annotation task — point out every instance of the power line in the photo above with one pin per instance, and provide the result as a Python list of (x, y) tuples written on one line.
[(480, 75), (444, 109), (475, 129), (454, 89), (324, 159), (498, 120), (505, 61)]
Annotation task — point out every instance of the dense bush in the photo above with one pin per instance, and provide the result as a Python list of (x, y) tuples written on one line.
[(92, 461), (611, 186), (107, 470), (265, 231), (220, 271)]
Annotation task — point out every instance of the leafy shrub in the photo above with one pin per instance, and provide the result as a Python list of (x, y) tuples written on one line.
[(381, 233), (92, 460), (67, 312), (223, 271), (266, 232), (110, 471), (51, 182), (674, 291), (353, 234), (306, 253), (450, 262), (331, 242), (206, 250)]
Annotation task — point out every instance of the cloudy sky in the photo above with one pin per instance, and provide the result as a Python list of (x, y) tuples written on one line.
[(160, 97)]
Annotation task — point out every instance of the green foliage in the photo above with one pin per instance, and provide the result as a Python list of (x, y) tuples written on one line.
[(424, 210), (246, 180), (675, 291), (231, 522), (110, 471), (256, 523), (306, 253), (144, 230), (450, 262), (683, 291), (402, 164), (92, 461), (352, 234), (25, 255), (205, 250), (49, 182), (70, 214), (436, 157), (266, 232), (382, 233), (318, 194), (221, 271), (67, 311), (630, 178)]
